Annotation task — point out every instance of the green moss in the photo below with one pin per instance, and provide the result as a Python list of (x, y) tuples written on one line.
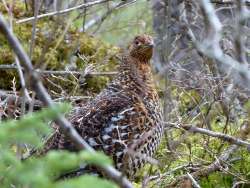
[(187, 99), (18, 9), (51, 53), (6, 55), (217, 180)]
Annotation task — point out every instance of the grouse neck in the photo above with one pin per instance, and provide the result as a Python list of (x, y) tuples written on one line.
[(136, 73), (143, 58)]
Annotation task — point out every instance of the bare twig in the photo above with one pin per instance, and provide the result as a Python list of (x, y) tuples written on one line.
[(77, 73), (227, 2), (85, 5), (20, 72), (12, 98), (195, 184), (224, 137), (111, 9), (93, 73), (32, 42), (219, 161), (238, 183), (98, 19), (9, 98), (147, 179), (22, 81), (211, 45), (239, 40), (64, 124), (215, 166), (72, 98)]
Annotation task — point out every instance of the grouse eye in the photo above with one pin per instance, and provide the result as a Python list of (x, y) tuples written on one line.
[(137, 43)]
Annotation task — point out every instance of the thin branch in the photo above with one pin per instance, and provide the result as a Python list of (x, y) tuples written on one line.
[(215, 166), (211, 45), (63, 123), (227, 2), (224, 137), (85, 5), (93, 73), (195, 184), (77, 73), (11, 98), (239, 38), (219, 161), (20, 72), (22, 80), (98, 19), (32, 42), (102, 18)]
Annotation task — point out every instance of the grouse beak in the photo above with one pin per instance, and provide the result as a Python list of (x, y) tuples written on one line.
[(150, 45)]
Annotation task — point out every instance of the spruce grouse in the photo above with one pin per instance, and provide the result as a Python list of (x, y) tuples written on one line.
[(125, 119)]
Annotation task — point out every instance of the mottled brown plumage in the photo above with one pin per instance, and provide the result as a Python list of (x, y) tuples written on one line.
[(126, 116)]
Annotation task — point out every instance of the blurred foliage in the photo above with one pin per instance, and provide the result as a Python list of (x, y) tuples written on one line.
[(123, 24), (42, 172)]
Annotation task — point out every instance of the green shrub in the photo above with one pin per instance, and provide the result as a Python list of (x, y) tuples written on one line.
[(42, 171)]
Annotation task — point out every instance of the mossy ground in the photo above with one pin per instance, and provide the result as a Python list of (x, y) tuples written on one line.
[(55, 51)]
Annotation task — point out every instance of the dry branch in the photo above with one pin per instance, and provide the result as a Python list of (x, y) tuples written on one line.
[(194, 182), (227, 2), (10, 98), (211, 48), (85, 5), (215, 166), (222, 136), (63, 123), (89, 73)]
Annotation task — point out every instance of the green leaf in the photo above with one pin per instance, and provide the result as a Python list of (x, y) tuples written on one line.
[(96, 158), (71, 161), (26, 129), (86, 181)]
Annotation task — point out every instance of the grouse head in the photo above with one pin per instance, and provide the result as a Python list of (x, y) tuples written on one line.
[(142, 48)]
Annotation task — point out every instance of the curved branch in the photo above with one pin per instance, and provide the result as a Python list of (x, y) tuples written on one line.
[(222, 136), (85, 5)]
